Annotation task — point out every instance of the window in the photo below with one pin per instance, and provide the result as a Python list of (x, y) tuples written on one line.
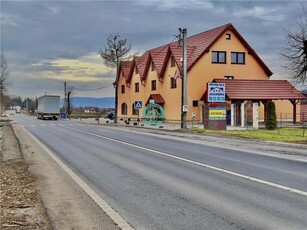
[(173, 63), (153, 68), (136, 70), (228, 36), (237, 58), (123, 88), (137, 87), (134, 110), (195, 103), (124, 109), (219, 57), (229, 77), (153, 85), (173, 83)]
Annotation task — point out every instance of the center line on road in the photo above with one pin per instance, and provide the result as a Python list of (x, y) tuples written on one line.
[(286, 188)]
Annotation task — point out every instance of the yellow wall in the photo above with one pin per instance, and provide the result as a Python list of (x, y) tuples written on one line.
[(123, 98)]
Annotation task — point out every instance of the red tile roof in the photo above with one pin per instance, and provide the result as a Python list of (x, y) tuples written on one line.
[(125, 66), (142, 64), (260, 89), (198, 45), (158, 56), (157, 97)]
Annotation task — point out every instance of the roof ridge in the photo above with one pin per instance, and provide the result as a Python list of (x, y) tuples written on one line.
[(226, 25)]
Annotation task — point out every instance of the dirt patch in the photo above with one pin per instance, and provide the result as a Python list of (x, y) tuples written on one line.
[(21, 207)]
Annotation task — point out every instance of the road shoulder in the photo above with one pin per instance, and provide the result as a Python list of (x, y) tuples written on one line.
[(67, 206), (21, 206)]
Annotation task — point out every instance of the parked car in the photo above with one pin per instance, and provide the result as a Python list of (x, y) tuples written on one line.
[(111, 115)]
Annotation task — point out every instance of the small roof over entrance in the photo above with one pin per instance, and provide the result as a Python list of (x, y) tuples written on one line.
[(260, 90), (157, 97)]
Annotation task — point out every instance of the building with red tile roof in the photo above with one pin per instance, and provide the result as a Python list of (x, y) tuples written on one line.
[(219, 53)]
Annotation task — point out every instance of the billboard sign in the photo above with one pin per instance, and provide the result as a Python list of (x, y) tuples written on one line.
[(216, 92), (217, 113)]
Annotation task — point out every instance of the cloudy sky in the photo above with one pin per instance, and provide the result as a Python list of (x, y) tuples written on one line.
[(49, 42)]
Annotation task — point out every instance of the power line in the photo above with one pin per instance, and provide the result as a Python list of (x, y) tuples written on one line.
[(92, 89)]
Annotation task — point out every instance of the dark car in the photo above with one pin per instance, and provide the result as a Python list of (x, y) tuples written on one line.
[(111, 115)]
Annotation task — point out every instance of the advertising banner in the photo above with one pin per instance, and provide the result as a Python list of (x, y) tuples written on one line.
[(216, 92), (217, 113)]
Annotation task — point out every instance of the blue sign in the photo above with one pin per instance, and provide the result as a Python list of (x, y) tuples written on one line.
[(216, 92), (138, 104)]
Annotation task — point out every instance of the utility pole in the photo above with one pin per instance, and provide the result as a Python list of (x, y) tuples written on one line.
[(184, 105), (65, 99), (68, 103)]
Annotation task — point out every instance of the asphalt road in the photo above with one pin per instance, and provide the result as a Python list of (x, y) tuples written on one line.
[(159, 182)]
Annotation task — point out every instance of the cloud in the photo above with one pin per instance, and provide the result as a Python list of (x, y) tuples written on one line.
[(54, 10), (46, 42), (9, 20), (177, 5), (271, 14), (88, 68)]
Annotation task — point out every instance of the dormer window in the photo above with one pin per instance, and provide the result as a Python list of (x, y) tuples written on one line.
[(228, 36), (136, 70), (229, 77)]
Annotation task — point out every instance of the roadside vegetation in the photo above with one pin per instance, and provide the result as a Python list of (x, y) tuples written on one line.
[(295, 135), (87, 115)]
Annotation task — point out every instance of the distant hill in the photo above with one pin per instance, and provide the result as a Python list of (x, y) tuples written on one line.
[(104, 102)]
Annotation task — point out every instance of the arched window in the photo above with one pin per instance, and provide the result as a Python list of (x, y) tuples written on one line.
[(124, 109)]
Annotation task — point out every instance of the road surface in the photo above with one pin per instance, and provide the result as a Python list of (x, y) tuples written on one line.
[(160, 182)]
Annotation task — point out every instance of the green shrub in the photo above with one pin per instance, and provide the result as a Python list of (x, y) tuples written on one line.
[(271, 121)]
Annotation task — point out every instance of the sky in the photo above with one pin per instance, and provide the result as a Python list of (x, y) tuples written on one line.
[(47, 42)]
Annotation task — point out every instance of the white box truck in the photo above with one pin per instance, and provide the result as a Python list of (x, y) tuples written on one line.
[(48, 107)]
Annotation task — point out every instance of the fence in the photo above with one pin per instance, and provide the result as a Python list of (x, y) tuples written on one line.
[(286, 120)]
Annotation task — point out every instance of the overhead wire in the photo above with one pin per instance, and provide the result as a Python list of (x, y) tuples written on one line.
[(102, 87)]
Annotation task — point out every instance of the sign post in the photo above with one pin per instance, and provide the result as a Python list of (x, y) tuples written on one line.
[(215, 110), (138, 105)]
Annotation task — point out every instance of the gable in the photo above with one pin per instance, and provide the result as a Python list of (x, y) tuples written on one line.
[(198, 45)]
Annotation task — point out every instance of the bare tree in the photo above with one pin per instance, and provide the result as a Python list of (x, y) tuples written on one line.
[(4, 73), (114, 51), (294, 50)]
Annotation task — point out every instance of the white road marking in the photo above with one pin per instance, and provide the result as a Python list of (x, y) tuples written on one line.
[(33, 125), (289, 189), (43, 125), (101, 203)]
